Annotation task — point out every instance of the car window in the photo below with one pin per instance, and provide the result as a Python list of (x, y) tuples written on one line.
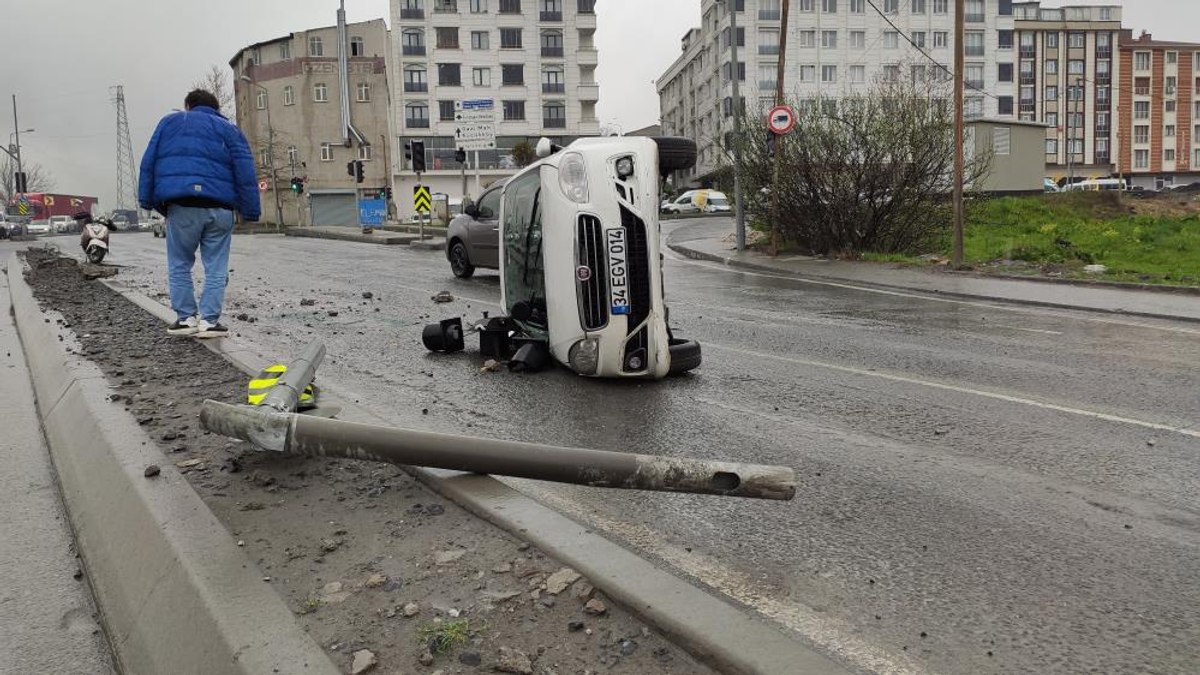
[(524, 279), (684, 200), (489, 204)]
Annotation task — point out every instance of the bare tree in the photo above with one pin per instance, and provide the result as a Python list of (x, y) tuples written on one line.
[(37, 178), (868, 172), (217, 83)]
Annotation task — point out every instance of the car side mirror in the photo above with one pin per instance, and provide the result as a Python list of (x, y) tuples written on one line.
[(471, 210)]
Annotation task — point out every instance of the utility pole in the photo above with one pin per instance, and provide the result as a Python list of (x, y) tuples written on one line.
[(126, 176), (780, 72), (739, 211), (959, 160), (19, 179)]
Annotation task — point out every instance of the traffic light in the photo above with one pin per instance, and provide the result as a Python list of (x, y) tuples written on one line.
[(407, 151), (460, 156), (418, 156), (22, 181), (355, 168), (388, 190), (297, 185)]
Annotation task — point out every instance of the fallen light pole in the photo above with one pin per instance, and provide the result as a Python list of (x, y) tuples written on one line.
[(276, 428)]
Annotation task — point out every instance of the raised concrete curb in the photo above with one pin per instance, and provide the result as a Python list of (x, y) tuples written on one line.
[(716, 632), (728, 261), (175, 592), (435, 244), (352, 234)]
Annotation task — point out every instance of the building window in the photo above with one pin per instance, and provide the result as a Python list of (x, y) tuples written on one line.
[(512, 73), (414, 43), (1052, 119), (808, 38), (552, 43), (416, 116), (827, 6), (858, 40), (805, 5), (1074, 67), (289, 95), (941, 6), (514, 110), (479, 39), (1141, 60), (941, 39), (1051, 66), (918, 38), (973, 43), (1141, 133), (315, 46), (1004, 39), (973, 106), (766, 77), (1169, 131), (364, 153), (891, 39), (510, 38), (1076, 40), (768, 42), (481, 77), (1169, 106), (357, 47), (829, 74), (554, 116), (510, 6), (1141, 110), (891, 6), (449, 74), (1075, 93), (320, 93), (1172, 57), (858, 6), (858, 74), (891, 73), (974, 11), (917, 73), (478, 6), (1141, 159), (293, 155), (446, 111), (362, 92), (918, 6), (1051, 40), (808, 73), (829, 39), (1102, 122), (974, 76), (1169, 87), (1051, 146), (447, 38), (260, 100), (414, 80), (326, 152), (553, 83), (1004, 72), (445, 6), (285, 51), (1102, 147)]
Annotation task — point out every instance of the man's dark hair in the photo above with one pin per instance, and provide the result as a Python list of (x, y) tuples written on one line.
[(201, 97)]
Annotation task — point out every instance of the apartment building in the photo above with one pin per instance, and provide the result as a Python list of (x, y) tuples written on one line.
[(835, 48), (1160, 109), (1067, 75), (324, 111), (536, 59)]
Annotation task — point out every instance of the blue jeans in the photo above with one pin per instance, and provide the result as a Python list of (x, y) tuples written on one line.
[(210, 230)]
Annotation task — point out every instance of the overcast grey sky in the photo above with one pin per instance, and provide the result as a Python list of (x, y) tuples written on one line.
[(60, 57)]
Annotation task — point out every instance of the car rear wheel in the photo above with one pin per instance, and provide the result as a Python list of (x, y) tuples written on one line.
[(685, 355), (675, 153), (460, 262)]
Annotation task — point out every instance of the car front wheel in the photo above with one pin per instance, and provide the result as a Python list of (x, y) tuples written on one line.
[(685, 355), (460, 262)]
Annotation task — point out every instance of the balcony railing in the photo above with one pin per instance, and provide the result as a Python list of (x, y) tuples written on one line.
[(973, 50), (1104, 52), (971, 17), (416, 87), (416, 123), (554, 122), (553, 52), (766, 85), (977, 85), (414, 50), (550, 16), (1103, 79), (445, 7), (768, 15), (1141, 91), (554, 88), (768, 49), (1028, 52), (412, 13)]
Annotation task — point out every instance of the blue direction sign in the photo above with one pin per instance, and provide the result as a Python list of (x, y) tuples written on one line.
[(372, 211)]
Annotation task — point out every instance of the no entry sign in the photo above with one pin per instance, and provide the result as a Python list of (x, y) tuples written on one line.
[(781, 119)]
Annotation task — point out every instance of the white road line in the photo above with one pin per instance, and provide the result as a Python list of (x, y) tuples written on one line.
[(1029, 330), (1186, 431), (1028, 309)]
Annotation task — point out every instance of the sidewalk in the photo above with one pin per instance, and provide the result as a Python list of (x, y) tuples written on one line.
[(713, 241), (47, 617), (376, 236)]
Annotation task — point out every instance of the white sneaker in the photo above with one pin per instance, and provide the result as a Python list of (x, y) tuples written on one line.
[(211, 330), (188, 326)]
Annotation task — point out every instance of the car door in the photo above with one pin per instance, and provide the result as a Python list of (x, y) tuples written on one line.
[(484, 231)]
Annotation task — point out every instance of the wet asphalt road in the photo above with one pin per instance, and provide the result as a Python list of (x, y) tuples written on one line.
[(981, 489)]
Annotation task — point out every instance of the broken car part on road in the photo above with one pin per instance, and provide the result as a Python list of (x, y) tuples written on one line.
[(273, 426)]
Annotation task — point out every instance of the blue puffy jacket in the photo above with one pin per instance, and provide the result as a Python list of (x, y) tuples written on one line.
[(198, 154)]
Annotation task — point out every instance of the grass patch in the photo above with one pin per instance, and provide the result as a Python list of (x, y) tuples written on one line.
[(902, 258), (440, 638), (1071, 230)]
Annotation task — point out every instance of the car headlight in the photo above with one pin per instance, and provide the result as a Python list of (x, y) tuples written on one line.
[(572, 177), (584, 356), (625, 167)]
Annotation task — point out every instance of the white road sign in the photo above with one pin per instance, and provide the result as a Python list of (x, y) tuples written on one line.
[(475, 124)]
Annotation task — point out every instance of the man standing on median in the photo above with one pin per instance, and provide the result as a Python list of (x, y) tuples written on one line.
[(198, 170)]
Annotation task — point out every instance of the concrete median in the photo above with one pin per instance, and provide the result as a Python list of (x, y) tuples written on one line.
[(175, 592)]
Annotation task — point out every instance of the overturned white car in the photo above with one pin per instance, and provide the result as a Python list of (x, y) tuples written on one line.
[(581, 270)]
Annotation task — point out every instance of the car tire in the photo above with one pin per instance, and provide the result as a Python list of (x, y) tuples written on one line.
[(460, 262), (685, 355), (675, 153)]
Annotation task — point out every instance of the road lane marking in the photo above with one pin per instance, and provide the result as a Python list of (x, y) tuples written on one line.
[(1184, 430), (1030, 330), (1027, 309)]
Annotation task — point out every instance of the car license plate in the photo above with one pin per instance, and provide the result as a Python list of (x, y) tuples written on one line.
[(618, 288)]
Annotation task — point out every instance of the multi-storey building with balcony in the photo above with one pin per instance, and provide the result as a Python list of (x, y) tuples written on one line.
[(536, 59), (1067, 78), (835, 48), (323, 112), (1159, 112)]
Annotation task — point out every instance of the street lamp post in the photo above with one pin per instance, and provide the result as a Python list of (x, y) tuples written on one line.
[(739, 211), (270, 152)]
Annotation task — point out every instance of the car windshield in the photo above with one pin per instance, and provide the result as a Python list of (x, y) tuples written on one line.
[(524, 277)]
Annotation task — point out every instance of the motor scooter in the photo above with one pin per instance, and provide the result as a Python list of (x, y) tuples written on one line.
[(93, 238)]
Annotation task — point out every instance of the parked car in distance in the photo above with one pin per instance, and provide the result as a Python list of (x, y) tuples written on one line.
[(1096, 184), (696, 201), (41, 226), (1048, 185), (473, 238), (61, 224)]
